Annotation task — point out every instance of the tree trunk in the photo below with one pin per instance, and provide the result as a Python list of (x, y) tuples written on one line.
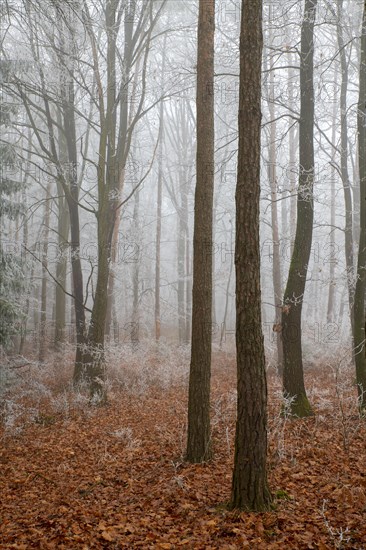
[(276, 260), (249, 484), (181, 278), (332, 284), (359, 303), (46, 231), (159, 203), (135, 327), (291, 173), (158, 227), (199, 432), (227, 293), (188, 286), (348, 230), (73, 205), (293, 373), (63, 228)]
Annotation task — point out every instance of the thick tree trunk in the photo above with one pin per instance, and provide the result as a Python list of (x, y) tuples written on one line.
[(249, 484), (359, 303), (293, 373), (199, 432)]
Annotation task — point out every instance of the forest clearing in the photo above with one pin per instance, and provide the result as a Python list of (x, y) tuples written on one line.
[(73, 476)]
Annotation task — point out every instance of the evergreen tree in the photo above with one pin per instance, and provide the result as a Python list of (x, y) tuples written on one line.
[(11, 271)]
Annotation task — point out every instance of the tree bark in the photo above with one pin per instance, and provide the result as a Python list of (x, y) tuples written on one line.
[(347, 191), (46, 231), (158, 224), (293, 372), (332, 283), (359, 302), (249, 485), (199, 432), (276, 259), (63, 228)]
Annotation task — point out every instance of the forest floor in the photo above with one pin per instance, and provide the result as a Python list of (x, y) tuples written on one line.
[(81, 477)]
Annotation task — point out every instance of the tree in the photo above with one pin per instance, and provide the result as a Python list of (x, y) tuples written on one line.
[(180, 125), (344, 146), (359, 302), (114, 142), (272, 176), (11, 263), (293, 372), (199, 433), (159, 204), (249, 484)]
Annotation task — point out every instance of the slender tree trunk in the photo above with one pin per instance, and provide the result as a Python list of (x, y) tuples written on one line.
[(73, 205), (63, 227), (214, 317), (356, 204), (188, 288), (276, 265), (135, 332), (23, 331), (181, 277), (157, 259), (46, 231), (293, 373), (348, 230), (359, 307), (292, 154), (249, 485), (199, 432), (111, 281), (332, 284), (159, 203), (227, 293)]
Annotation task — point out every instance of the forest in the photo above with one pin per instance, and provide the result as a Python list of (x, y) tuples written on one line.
[(183, 274)]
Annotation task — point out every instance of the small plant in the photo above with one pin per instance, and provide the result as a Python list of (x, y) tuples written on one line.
[(126, 436), (340, 537), (281, 494)]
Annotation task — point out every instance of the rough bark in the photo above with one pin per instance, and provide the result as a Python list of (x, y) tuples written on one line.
[(249, 484), (199, 432)]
